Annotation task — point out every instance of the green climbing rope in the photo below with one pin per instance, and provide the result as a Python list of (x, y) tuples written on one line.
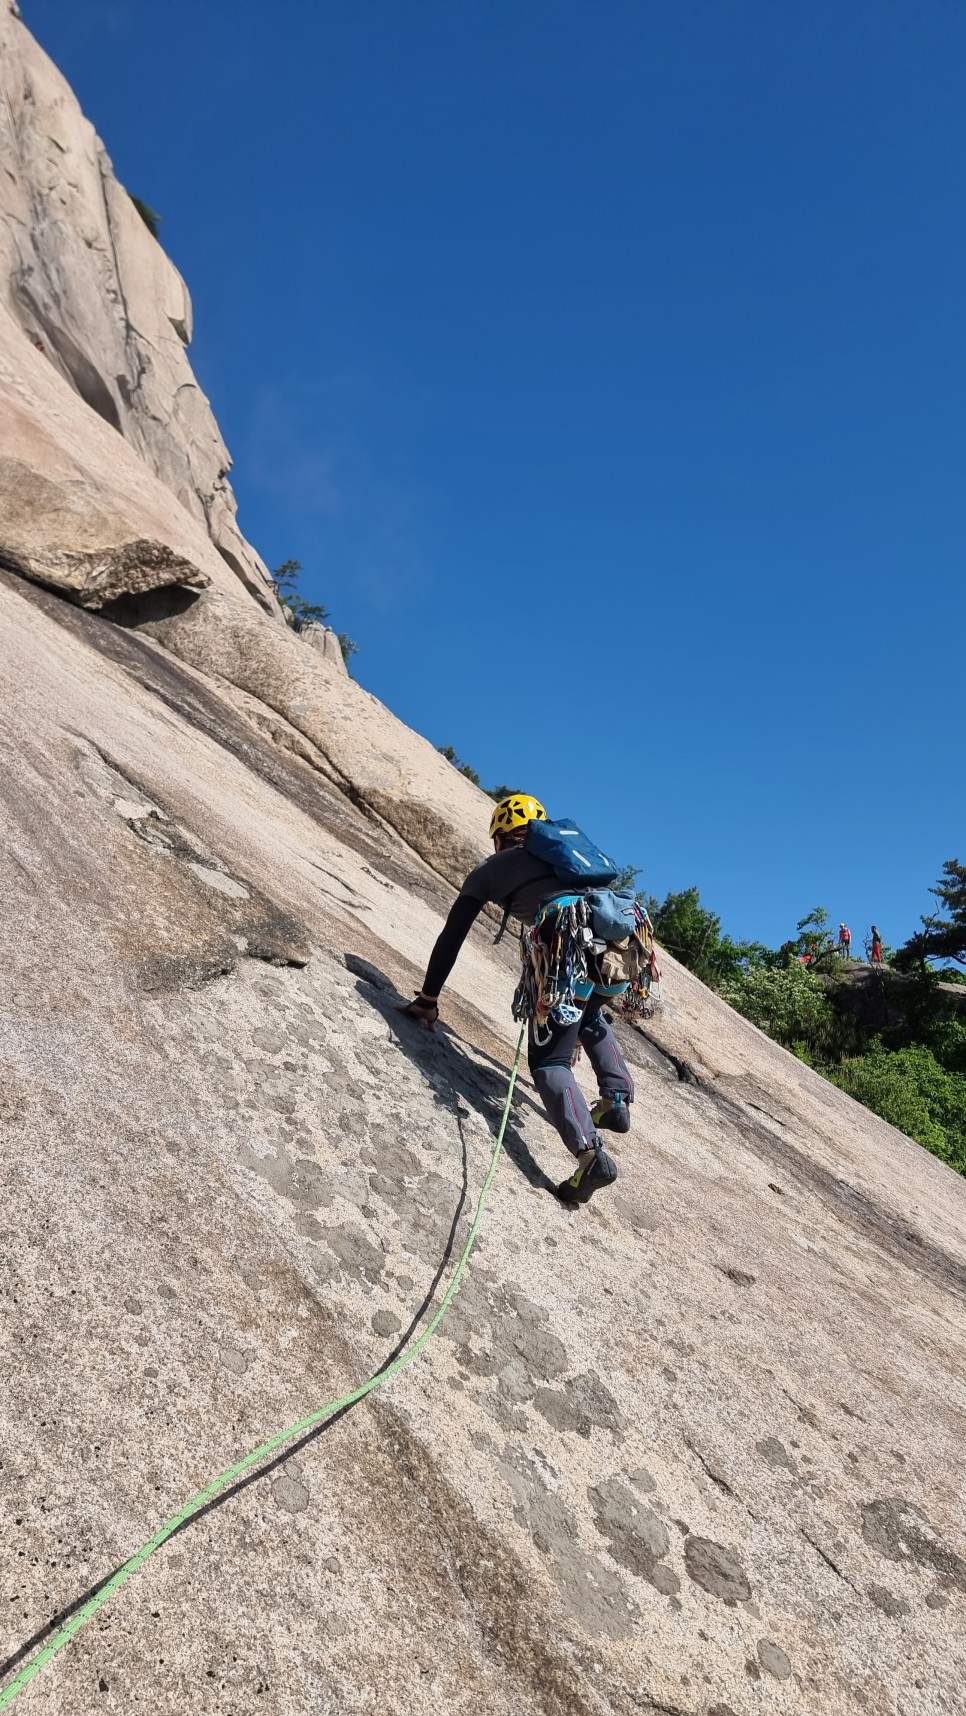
[(143, 1555)]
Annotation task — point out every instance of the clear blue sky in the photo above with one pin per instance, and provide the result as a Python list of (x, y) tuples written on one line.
[(604, 367)]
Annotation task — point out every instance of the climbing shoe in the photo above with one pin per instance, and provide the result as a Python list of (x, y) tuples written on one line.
[(612, 1113), (594, 1170)]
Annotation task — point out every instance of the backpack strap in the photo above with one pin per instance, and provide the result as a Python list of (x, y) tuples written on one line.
[(506, 919)]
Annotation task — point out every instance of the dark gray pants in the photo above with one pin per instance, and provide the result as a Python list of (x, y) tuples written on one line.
[(552, 1073)]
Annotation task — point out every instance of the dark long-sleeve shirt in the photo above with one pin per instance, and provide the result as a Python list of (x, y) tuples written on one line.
[(511, 876)]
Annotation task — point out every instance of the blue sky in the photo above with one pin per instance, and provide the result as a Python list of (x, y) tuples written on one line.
[(604, 368)]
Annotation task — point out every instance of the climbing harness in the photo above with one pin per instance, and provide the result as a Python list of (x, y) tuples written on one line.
[(143, 1555)]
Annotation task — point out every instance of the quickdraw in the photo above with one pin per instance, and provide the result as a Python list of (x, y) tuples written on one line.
[(554, 952), (644, 992)]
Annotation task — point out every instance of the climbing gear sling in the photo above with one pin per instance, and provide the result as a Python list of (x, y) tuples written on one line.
[(565, 961), (553, 951)]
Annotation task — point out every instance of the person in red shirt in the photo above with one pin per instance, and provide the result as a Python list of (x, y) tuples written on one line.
[(845, 941)]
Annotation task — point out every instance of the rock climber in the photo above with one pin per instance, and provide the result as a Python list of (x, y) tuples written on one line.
[(516, 879), (845, 941), (876, 939)]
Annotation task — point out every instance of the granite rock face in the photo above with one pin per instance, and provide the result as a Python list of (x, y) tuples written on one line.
[(112, 468), (694, 1447), (95, 293), (326, 641), (79, 511), (694, 1450)]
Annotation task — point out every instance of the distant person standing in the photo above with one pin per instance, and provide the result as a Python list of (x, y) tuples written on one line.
[(845, 941), (876, 954)]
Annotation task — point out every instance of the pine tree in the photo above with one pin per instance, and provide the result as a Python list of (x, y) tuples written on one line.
[(942, 936)]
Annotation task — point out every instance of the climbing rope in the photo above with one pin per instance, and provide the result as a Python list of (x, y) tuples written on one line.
[(143, 1555)]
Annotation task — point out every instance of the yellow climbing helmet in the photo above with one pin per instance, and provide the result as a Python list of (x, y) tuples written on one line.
[(515, 812)]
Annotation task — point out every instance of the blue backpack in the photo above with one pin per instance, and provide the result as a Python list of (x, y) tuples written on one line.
[(571, 856), (581, 865)]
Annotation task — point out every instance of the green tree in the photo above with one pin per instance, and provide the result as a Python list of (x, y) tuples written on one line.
[(947, 1041), (298, 612), (687, 929), (943, 935), (909, 1088), (693, 934), (285, 579), (313, 614), (789, 1004), (624, 880), (449, 752), (348, 648), (814, 942), (913, 1072)]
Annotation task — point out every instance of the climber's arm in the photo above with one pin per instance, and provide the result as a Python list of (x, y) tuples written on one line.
[(462, 915)]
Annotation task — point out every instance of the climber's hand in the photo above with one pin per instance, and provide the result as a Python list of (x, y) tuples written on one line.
[(422, 1008)]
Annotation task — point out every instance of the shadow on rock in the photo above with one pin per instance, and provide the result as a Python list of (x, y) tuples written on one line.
[(270, 1465), (453, 1074)]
